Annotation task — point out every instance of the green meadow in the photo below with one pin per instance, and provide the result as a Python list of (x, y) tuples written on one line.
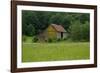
[(40, 40), (34, 52)]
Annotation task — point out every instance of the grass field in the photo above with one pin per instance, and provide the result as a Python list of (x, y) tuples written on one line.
[(34, 52)]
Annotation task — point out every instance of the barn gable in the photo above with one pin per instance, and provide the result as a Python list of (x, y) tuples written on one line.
[(53, 31), (56, 31), (58, 28)]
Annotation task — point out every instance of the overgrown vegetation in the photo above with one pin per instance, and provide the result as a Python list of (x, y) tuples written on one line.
[(70, 48), (24, 38), (35, 52), (34, 39), (76, 24)]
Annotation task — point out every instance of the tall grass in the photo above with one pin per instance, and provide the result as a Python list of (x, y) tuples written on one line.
[(34, 52)]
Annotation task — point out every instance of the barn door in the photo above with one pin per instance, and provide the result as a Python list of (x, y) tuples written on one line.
[(61, 34)]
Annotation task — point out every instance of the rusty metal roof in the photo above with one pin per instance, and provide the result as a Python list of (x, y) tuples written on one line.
[(58, 28)]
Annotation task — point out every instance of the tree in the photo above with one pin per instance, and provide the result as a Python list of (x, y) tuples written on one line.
[(30, 30), (79, 31), (76, 24), (85, 31), (75, 31), (56, 19), (27, 19)]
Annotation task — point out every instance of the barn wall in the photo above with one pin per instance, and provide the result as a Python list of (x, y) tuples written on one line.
[(51, 32), (58, 35), (64, 35)]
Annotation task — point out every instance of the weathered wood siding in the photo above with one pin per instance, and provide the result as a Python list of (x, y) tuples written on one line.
[(51, 32), (58, 35), (64, 35)]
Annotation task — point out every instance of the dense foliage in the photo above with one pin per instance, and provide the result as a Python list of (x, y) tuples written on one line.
[(76, 24)]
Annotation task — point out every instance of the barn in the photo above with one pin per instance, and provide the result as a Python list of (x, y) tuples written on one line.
[(56, 31), (53, 31)]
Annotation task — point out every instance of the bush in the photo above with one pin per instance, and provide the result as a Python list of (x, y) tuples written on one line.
[(46, 40), (65, 39), (35, 39), (55, 40), (24, 38), (58, 39), (50, 40)]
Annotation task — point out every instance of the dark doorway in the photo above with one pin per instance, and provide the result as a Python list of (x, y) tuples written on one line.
[(61, 34)]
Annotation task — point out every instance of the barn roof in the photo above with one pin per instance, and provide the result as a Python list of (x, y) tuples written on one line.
[(58, 28)]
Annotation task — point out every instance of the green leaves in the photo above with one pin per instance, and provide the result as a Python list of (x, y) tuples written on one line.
[(30, 30), (76, 24), (79, 31)]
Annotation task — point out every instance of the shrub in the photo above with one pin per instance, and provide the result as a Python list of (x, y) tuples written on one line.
[(58, 39), (65, 39), (24, 38), (35, 39), (50, 40), (55, 40), (46, 40)]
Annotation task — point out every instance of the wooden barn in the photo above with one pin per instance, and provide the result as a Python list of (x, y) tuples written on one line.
[(53, 31)]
